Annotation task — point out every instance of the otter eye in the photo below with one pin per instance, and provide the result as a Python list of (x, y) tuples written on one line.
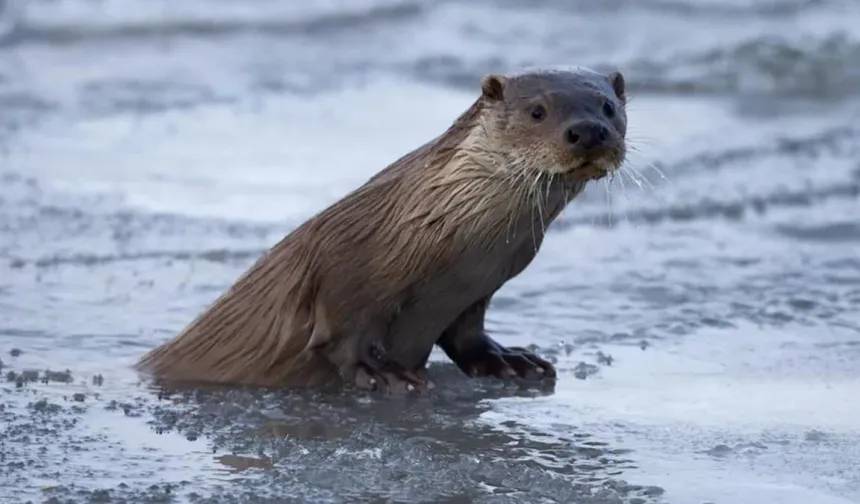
[(538, 113), (608, 109)]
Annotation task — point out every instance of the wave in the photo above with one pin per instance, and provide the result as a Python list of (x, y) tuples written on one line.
[(772, 66), (827, 67), (817, 58), (77, 21), (739, 208), (89, 259), (691, 8), (821, 149)]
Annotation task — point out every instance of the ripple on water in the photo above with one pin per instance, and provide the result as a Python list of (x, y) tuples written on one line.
[(228, 443)]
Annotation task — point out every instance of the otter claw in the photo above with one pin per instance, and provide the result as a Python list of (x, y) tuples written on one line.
[(391, 382), (501, 362), (377, 372)]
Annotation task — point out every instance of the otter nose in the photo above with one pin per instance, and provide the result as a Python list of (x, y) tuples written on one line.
[(586, 135)]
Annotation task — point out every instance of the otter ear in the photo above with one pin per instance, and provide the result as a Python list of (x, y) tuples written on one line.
[(493, 87), (618, 85)]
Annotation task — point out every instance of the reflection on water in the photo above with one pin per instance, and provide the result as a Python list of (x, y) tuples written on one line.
[(420, 448), (293, 443)]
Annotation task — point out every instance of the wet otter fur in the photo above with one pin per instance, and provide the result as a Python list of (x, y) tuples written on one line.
[(361, 292)]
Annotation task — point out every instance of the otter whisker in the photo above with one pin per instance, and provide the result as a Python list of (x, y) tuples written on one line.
[(510, 210), (639, 176), (628, 170), (515, 178), (635, 140), (550, 179), (550, 186), (540, 206), (650, 164), (524, 195), (517, 202), (654, 167), (653, 190), (623, 195), (532, 205), (608, 201)]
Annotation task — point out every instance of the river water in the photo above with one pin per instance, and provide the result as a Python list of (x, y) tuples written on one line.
[(705, 322)]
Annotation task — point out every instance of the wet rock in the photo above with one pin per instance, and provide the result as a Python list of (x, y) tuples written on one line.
[(30, 375), (57, 376), (66, 494), (100, 496), (15, 352), (43, 406), (720, 450), (654, 491), (568, 348), (79, 397), (583, 370), (605, 359)]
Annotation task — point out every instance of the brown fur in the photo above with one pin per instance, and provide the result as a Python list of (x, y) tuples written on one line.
[(302, 313)]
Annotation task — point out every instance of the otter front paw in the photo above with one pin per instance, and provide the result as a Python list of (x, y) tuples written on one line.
[(492, 359), (378, 373)]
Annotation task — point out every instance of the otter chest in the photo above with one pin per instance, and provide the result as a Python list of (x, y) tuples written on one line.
[(435, 303)]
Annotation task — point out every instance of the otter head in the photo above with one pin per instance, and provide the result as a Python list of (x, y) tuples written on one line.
[(570, 124)]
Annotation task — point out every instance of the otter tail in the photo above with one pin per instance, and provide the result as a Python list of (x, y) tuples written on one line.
[(253, 334)]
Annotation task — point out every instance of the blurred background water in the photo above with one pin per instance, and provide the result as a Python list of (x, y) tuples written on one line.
[(705, 321)]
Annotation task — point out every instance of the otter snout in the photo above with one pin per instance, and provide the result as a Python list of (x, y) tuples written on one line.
[(586, 135)]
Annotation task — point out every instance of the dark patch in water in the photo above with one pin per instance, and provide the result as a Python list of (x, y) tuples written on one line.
[(280, 445), (826, 233)]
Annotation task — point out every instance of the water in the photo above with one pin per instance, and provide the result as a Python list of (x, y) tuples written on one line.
[(705, 325)]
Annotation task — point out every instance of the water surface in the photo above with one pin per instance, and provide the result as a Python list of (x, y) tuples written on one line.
[(704, 320)]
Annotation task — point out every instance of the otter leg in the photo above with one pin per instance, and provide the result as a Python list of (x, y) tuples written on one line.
[(377, 372), (362, 360), (476, 354)]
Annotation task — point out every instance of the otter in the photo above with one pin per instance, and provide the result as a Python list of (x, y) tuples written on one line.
[(360, 293)]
